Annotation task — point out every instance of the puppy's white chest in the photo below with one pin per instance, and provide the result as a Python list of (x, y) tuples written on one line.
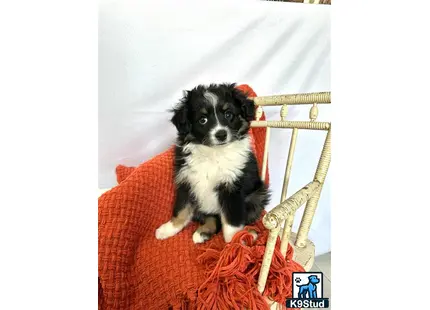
[(210, 170), (207, 167)]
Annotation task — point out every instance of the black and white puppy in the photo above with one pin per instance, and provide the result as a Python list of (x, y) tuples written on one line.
[(216, 173)]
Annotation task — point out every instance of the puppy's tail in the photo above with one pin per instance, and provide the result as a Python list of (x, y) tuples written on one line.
[(256, 202)]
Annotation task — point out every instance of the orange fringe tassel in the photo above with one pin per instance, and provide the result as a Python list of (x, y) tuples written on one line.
[(233, 270)]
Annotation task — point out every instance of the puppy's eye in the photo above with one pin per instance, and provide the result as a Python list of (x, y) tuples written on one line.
[(228, 115), (203, 120)]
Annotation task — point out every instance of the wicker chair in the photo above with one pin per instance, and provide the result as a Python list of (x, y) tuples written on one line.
[(280, 219), (283, 214)]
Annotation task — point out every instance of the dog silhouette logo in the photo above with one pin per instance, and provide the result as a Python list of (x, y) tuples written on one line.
[(307, 289)]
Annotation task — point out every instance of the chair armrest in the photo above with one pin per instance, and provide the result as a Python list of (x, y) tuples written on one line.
[(275, 217)]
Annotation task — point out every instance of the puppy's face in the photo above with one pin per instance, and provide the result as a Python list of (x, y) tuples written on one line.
[(213, 115)]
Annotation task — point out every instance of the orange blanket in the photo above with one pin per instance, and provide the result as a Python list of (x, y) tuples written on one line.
[(137, 271)]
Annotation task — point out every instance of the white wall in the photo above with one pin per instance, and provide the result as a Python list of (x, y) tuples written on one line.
[(149, 51)]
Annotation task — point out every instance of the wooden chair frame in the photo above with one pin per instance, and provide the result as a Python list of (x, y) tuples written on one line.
[(283, 214)]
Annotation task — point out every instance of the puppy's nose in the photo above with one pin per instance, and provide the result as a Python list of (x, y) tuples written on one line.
[(221, 135)]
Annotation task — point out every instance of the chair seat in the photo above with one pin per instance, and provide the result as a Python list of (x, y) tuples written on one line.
[(304, 256)]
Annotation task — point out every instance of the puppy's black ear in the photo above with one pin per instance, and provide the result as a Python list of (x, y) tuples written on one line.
[(247, 105), (180, 116)]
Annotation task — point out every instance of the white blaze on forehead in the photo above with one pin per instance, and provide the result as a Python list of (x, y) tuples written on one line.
[(212, 98)]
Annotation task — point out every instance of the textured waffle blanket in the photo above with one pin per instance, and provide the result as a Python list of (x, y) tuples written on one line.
[(137, 271)]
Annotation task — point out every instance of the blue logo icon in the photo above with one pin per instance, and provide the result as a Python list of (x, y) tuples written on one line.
[(307, 291)]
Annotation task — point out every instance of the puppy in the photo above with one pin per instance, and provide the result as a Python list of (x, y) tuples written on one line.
[(216, 173)]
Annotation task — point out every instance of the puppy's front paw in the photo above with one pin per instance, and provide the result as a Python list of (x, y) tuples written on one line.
[(165, 231), (228, 238), (229, 232), (199, 237)]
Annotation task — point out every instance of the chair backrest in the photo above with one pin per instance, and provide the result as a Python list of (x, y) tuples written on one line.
[(283, 214)]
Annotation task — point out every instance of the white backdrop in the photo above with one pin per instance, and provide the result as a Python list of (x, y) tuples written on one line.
[(149, 51)]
